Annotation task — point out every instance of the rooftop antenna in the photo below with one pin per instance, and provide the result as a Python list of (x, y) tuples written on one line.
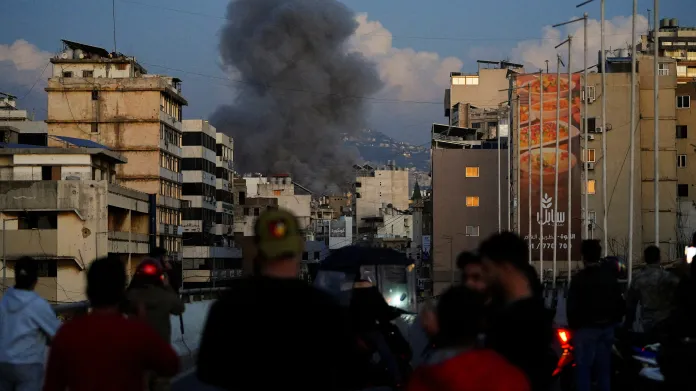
[(113, 18), (547, 66)]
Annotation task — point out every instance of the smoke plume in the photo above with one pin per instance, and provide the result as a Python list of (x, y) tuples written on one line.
[(301, 88)]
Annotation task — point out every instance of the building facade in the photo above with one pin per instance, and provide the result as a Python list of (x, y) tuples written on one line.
[(65, 208), (376, 189), (110, 98)]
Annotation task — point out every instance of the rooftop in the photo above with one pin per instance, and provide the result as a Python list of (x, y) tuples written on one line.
[(74, 146)]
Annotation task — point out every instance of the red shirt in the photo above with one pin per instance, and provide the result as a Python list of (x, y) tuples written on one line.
[(474, 370), (106, 351)]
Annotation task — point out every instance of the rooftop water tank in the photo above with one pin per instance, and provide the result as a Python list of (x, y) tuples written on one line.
[(673, 22)]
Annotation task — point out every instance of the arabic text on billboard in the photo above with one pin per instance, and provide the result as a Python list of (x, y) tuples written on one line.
[(537, 162), (338, 229)]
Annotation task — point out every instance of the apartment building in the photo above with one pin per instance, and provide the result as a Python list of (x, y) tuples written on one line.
[(468, 195), (224, 172), (686, 160), (677, 42), (617, 132), (65, 208), (290, 195), (376, 188), (110, 98)]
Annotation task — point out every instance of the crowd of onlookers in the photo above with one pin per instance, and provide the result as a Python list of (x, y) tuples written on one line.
[(493, 331)]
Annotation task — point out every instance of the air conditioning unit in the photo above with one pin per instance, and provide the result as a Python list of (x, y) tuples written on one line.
[(598, 129), (590, 137), (590, 165)]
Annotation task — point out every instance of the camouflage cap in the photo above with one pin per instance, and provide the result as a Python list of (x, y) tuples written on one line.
[(278, 235)]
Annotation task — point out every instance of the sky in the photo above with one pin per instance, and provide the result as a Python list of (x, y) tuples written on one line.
[(414, 45)]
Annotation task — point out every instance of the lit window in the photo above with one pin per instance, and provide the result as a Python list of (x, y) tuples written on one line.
[(472, 172), (663, 69), (472, 201), (472, 230), (590, 155), (681, 161), (591, 184)]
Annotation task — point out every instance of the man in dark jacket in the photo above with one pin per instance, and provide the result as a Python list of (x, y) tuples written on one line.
[(594, 308), (274, 331), (521, 327)]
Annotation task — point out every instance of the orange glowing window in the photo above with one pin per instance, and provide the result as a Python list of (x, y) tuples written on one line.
[(276, 192)]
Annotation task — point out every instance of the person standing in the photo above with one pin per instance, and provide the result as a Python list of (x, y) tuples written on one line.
[(104, 350), (273, 320), (27, 325), (653, 289), (150, 296), (595, 307), (520, 329)]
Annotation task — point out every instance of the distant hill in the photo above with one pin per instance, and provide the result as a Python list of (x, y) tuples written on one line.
[(377, 148)]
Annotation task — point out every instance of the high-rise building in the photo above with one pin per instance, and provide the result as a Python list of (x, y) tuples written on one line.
[(377, 188), (676, 42), (224, 171), (110, 98)]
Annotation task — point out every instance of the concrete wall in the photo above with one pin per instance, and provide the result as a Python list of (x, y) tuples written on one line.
[(385, 187), (450, 213), (486, 93)]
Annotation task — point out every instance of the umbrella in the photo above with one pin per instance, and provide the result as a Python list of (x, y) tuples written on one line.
[(351, 258)]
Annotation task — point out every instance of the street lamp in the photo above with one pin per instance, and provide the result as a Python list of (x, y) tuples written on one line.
[(604, 124), (4, 253)]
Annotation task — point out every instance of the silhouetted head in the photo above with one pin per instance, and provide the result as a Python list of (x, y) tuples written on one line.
[(460, 314), (279, 243), (472, 271), (591, 251), (651, 255), (503, 256), (26, 273), (106, 283)]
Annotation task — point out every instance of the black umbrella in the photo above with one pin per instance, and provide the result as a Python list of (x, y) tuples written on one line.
[(351, 258)]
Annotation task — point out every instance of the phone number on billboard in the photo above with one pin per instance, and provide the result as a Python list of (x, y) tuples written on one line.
[(536, 246)]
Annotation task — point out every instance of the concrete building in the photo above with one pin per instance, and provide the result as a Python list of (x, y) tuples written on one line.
[(290, 195), (464, 199), (376, 189), (9, 111), (686, 162), (224, 172), (676, 42), (111, 99), (65, 208), (618, 81)]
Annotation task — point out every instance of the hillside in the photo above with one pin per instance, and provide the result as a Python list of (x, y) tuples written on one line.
[(377, 148)]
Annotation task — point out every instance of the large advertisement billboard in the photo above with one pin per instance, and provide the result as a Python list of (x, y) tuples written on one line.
[(538, 133)]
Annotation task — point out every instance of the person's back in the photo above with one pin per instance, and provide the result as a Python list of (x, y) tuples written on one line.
[(653, 288), (104, 350), (275, 331), (594, 299), (156, 297), (27, 324), (285, 325), (458, 365)]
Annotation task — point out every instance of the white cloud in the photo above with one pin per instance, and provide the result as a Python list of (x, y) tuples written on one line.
[(21, 63), (407, 74), (534, 53)]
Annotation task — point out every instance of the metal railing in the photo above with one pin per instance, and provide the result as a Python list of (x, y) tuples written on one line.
[(66, 311)]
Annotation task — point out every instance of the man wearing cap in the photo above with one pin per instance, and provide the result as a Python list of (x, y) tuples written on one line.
[(272, 330)]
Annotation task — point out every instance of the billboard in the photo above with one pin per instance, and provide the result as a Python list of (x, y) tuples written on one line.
[(538, 133)]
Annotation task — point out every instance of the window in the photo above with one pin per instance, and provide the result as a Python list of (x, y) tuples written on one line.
[(121, 67), (683, 102), (592, 217), (472, 230), (682, 190), (465, 80), (472, 201), (87, 73), (472, 172), (316, 255), (277, 193), (95, 127), (591, 183), (95, 95), (67, 74), (170, 135), (590, 93), (681, 131), (681, 161), (663, 69), (591, 124), (590, 155), (681, 70)]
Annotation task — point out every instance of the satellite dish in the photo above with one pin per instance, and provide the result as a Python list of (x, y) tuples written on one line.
[(82, 55), (64, 56)]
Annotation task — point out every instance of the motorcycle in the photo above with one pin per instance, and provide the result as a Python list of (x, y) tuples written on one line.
[(631, 365)]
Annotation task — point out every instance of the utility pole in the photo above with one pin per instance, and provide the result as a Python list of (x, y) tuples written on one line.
[(529, 167), (500, 209), (656, 87), (569, 220), (541, 174), (604, 136), (558, 157), (519, 187), (631, 184)]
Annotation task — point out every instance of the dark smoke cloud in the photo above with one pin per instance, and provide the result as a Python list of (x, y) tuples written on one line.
[(300, 89)]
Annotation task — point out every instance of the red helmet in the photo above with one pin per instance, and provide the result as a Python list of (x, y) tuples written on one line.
[(150, 268)]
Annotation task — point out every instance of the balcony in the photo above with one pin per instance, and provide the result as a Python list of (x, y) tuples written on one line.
[(38, 243)]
